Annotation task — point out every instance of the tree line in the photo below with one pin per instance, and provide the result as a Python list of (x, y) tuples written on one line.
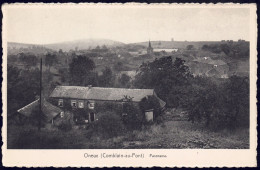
[(215, 103)]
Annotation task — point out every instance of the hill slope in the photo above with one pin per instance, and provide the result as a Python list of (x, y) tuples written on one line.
[(176, 44), (84, 44), (68, 45)]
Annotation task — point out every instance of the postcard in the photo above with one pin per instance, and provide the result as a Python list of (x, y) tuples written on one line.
[(129, 85)]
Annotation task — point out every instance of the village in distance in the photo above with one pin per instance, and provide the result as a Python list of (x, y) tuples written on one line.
[(105, 94)]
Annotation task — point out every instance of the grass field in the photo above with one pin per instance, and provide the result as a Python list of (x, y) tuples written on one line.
[(173, 134)]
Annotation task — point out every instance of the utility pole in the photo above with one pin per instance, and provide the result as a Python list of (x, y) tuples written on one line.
[(40, 100)]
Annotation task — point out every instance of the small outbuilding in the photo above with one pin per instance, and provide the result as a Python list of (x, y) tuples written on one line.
[(50, 113)]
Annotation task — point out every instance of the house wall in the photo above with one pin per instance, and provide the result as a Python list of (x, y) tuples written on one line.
[(67, 103), (149, 116), (99, 107), (99, 104)]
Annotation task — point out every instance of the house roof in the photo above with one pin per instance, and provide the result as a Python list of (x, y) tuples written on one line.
[(213, 72), (28, 109), (217, 62), (49, 110), (162, 103), (70, 92), (100, 93), (210, 61)]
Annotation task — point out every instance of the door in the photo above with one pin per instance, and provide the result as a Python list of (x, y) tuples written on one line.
[(92, 116)]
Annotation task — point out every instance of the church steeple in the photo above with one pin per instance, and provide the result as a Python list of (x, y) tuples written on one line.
[(150, 48)]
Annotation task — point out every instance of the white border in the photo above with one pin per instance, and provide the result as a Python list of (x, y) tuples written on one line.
[(175, 157)]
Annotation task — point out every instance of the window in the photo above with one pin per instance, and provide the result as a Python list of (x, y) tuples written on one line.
[(60, 103), (62, 114), (91, 105), (81, 104), (73, 103), (124, 114)]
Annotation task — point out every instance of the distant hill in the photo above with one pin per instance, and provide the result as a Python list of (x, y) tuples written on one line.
[(176, 44), (83, 44), (15, 48), (12, 45), (69, 45)]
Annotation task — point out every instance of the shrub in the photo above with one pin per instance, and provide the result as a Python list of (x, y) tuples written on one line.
[(81, 115), (65, 126), (151, 102), (134, 117), (31, 138), (222, 106), (108, 125), (109, 106)]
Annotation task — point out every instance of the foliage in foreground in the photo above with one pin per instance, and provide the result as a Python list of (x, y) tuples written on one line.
[(215, 103), (222, 106), (108, 125), (170, 134)]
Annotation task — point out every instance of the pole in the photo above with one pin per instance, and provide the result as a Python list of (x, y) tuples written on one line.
[(40, 100)]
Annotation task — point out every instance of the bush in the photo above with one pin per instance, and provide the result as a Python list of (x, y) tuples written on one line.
[(108, 125), (151, 102), (109, 106), (65, 126), (222, 106), (134, 117), (33, 139)]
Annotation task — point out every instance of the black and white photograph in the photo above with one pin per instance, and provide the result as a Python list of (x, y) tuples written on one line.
[(122, 77)]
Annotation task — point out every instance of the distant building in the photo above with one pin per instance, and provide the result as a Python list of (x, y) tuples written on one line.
[(168, 50), (131, 74), (150, 49), (207, 66)]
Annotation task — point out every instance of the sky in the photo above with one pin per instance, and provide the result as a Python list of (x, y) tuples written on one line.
[(127, 24)]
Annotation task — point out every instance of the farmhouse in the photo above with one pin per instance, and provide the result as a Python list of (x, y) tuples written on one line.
[(77, 97)]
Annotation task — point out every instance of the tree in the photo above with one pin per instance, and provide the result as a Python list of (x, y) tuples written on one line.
[(80, 68), (118, 66), (190, 47), (163, 75), (108, 125), (236, 50), (64, 75), (50, 60), (151, 102), (221, 106), (104, 48), (237, 100), (28, 59), (21, 91), (13, 79), (106, 79), (132, 115), (124, 80)]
